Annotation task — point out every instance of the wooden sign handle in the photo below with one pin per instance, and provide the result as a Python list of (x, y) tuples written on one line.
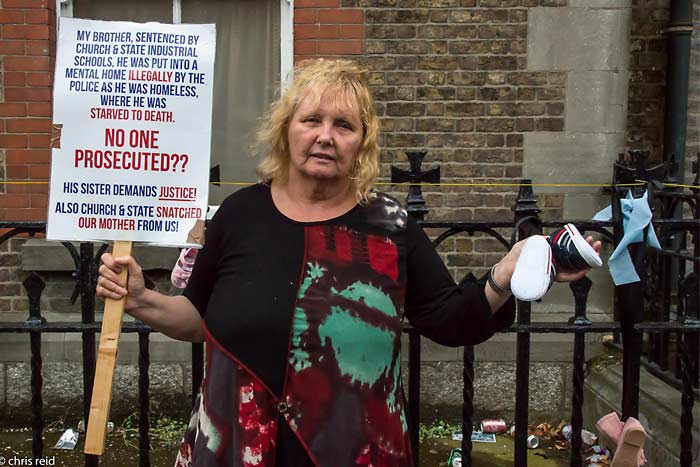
[(106, 363)]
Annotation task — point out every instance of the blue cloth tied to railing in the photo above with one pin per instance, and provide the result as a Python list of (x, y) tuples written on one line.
[(636, 215)]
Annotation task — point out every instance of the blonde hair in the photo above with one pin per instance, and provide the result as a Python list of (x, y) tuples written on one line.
[(347, 83)]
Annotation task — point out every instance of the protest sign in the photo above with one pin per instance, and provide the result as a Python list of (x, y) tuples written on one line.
[(132, 130), (130, 160)]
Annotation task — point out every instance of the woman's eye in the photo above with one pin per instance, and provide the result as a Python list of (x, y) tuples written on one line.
[(345, 125), (312, 119)]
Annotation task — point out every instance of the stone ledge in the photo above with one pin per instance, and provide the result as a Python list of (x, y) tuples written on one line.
[(546, 347), (595, 4), (494, 389), (170, 386), (62, 391), (67, 348)]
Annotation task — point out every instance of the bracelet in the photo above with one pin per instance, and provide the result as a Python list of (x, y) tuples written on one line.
[(494, 285)]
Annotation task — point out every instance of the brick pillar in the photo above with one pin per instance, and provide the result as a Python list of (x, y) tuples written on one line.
[(323, 29), (27, 56)]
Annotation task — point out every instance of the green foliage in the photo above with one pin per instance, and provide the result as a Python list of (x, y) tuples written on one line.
[(438, 429), (168, 430), (129, 429), (600, 363), (163, 430)]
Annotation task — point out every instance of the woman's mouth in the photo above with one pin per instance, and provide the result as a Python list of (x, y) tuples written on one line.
[(323, 156)]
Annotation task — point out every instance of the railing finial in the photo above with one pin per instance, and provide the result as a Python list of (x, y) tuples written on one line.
[(580, 289), (415, 201), (34, 285)]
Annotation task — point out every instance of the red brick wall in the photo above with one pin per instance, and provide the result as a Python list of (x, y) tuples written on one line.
[(27, 53), (323, 29)]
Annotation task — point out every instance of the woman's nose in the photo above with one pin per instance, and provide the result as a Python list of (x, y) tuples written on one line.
[(325, 135)]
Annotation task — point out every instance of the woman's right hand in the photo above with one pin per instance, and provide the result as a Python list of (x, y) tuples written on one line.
[(109, 285), (175, 316)]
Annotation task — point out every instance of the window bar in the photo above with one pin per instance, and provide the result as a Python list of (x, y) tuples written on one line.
[(630, 297), (689, 306), (681, 308), (468, 405), (633, 295), (34, 285), (85, 284), (527, 223), (177, 11), (580, 289), (522, 386), (687, 399), (63, 8), (618, 231), (668, 271), (659, 299), (144, 403), (414, 364), (286, 41)]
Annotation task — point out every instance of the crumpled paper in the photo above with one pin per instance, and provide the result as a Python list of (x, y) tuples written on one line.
[(68, 440)]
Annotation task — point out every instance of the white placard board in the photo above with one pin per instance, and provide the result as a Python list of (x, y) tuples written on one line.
[(132, 132)]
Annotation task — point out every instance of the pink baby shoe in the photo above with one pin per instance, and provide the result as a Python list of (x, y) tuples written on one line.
[(629, 445), (183, 267), (610, 428)]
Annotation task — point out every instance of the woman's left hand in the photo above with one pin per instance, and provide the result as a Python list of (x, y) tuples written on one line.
[(566, 276), (505, 267)]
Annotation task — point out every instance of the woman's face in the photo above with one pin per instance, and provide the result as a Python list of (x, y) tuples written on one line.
[(324, 140)]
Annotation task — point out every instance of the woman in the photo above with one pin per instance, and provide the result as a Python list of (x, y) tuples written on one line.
[(300, 291)]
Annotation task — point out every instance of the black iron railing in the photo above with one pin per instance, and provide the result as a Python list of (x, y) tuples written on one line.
[(656, 320), (638, 328)]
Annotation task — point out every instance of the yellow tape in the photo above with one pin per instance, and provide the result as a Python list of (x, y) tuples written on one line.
[(233, 183), (588, 185), (25, 182), (510, 184), (481, 184), (673, 185)]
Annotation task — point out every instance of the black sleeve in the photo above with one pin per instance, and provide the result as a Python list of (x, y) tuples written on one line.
[(204, 271), (441, 310)]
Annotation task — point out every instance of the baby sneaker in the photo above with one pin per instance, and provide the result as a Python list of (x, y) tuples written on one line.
[(534, 272), (571, 252), (541, 257)]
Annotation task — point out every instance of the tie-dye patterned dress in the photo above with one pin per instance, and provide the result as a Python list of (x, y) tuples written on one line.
[(303, 332)]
